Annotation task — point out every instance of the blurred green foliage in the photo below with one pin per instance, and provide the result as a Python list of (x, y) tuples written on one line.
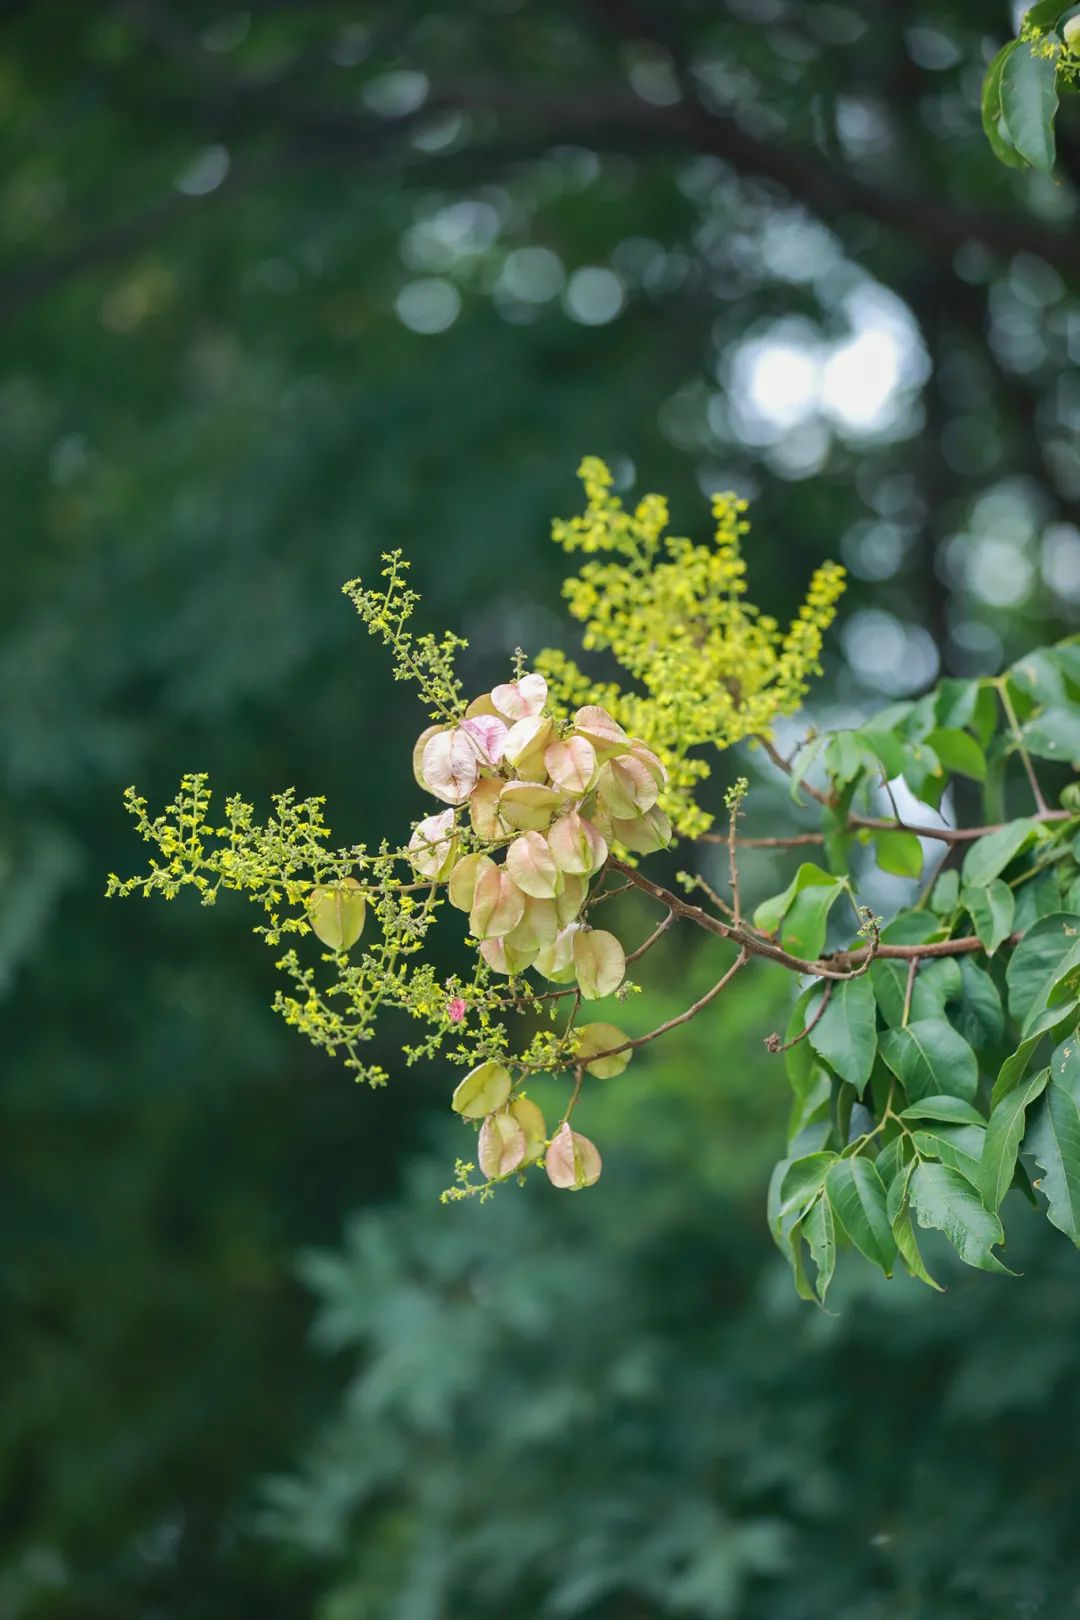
[(212, 412)]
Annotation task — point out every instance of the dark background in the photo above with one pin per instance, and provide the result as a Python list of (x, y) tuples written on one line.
[(283, 286)]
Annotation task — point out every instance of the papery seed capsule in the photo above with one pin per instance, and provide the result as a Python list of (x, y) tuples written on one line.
[(532, 865), (599, 963), (532, 1124), (480, 705), (556, 961), (516, 700), (336, 913), (644, 834), (498, 904), (576, 845), (1071, 34), (489, 734), (626, 788), (500, 1148), (418, 754), (572, 1161), (483, 1089), (593, 1039), (501, 958), (528, 736), (571, 764), (528, 805), (463, 879), (641, 751), (537, 929), (605, 733), (484, 809), (432, 846), (450, 766), (531, 768), (570, 898)]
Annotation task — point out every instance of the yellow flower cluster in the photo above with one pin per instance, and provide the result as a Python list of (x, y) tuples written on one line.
[(710, 667)]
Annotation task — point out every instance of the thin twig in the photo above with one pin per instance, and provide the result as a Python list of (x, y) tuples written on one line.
[(1014, 725), (785, 765), (852, 963), (795, 841), (774, 1043), (947, 835), (909, 990), (660, 929), (683, 1017), (733, 863)]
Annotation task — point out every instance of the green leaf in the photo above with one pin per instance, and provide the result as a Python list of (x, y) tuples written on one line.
[(898, 1211), (810, 1105), (1055, 1020), (1054, 734), (887, 748), (976, 1012), (771, 913), (1054, 1139), (1037, 680), (794, 1249), (819, 1229), (890, 980), (803, 762), (1028, 104), (1003, 1137), (857, 1195), (945, 895), (943, 1200), (899, 853), (845, 1036), (802, 1181), (949, 1110), (930, 1060), (1000, 141), (1036, 898), (989, 856), (959, 753), (1065, 1065), (1036, 961), (890, 1161), (958, 1146), (1046, 13), (923, 772), (802, 932), (844, 757), (991, 907)]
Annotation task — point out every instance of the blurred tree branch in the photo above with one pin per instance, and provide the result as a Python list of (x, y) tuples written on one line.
[(235, 107)]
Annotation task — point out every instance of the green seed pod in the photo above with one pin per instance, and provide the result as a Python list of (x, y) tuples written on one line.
[(483, 1089), (594, 1038), (532, 1124), (336, 913), (599, 963)]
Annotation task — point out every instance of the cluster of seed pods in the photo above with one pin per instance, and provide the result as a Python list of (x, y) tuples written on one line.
[(550, 805), (545, 804)]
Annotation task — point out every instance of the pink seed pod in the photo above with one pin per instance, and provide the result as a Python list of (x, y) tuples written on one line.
[(572, 1161), (450, 766), (576, 845), (517, 700)]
